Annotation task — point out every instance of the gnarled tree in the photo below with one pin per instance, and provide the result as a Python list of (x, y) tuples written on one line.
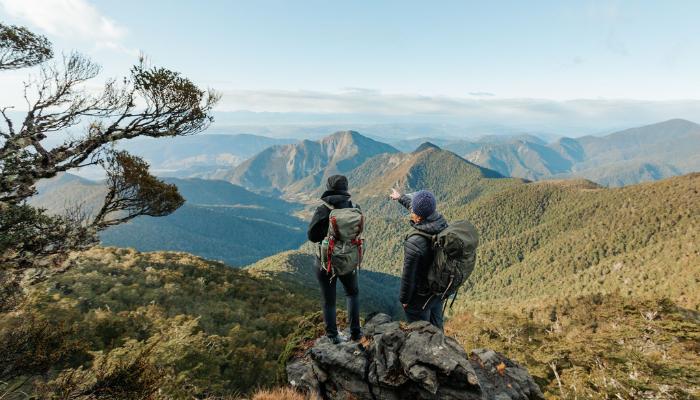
[(153, 102)]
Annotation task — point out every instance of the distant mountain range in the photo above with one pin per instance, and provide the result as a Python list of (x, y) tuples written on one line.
[(219, 221), (294, 168), (631, 156), (198, 155), (297, 169), (627, 157)]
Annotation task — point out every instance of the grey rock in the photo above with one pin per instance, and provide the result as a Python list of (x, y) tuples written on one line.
[(371, 325), (419, 362), (513, 383)]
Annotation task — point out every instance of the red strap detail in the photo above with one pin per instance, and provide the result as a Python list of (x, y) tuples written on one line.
[(334, 223), (331, 245)]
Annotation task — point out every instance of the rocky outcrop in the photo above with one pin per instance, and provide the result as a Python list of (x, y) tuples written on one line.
[(414, 362)]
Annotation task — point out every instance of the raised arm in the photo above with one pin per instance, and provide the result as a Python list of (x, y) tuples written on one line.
[(403, 199)]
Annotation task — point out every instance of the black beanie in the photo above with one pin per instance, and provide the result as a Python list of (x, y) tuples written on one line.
[(337, 183)]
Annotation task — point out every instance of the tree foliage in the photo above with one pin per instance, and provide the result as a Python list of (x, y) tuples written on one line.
[(132, 191), (20, 48), (29, 237), (151, 101)]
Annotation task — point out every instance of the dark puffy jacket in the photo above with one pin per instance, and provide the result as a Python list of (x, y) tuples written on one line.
[(418, 254), (318, 227)]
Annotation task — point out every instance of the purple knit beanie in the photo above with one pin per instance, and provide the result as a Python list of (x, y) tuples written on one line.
[(423, 204)]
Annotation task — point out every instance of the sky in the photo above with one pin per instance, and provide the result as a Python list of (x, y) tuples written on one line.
[(613, 62)]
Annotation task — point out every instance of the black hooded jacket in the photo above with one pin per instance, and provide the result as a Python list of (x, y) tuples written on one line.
[(337, 196), (418, 254)]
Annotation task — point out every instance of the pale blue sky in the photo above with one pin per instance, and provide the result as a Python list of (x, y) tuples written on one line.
[(326, 56)]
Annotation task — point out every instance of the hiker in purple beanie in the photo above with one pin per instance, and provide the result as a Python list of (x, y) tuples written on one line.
[(415, 297)]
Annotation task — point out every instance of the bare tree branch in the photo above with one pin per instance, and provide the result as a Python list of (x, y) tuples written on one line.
[(170, 105)]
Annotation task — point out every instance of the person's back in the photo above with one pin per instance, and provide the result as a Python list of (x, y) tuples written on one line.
[(336, 196)]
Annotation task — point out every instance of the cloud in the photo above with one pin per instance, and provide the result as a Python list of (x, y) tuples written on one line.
[(71, 19), (534, 113)]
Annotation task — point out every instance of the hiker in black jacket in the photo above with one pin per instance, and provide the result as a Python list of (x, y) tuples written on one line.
[(336, 195), (415, 298)]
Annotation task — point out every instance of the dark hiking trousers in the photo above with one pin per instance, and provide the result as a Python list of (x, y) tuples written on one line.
[(350, 285), (431, 313)]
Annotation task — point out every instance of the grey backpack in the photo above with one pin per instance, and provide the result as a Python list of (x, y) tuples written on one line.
[(455, 256), (341, 250)]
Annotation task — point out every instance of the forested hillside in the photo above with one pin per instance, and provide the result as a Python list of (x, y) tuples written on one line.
[(133, 324), (559, 240), (544, 239), (219, 220)]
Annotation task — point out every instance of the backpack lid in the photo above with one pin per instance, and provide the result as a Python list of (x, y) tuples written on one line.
[(332, 207)]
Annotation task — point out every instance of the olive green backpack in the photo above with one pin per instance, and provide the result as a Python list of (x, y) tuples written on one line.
[(455, 256), (341, 250)]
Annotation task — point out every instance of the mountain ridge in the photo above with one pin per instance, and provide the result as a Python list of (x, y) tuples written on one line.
[(295, 168), (645, 153)]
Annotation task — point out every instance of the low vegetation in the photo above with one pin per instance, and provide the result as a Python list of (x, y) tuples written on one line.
[(594, 347)]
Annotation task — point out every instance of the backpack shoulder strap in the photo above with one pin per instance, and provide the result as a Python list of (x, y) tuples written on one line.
[(328, 205), (416, 232)]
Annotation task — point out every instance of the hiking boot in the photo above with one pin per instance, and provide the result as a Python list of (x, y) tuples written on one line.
[(337, 339), (357, 337)]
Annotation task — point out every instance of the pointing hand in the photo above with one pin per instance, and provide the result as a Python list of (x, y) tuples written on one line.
[(395, 195)]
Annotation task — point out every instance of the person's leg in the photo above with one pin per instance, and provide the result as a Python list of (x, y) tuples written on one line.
[(352, 293), (436, 317), (415, 311), (327, 301)]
